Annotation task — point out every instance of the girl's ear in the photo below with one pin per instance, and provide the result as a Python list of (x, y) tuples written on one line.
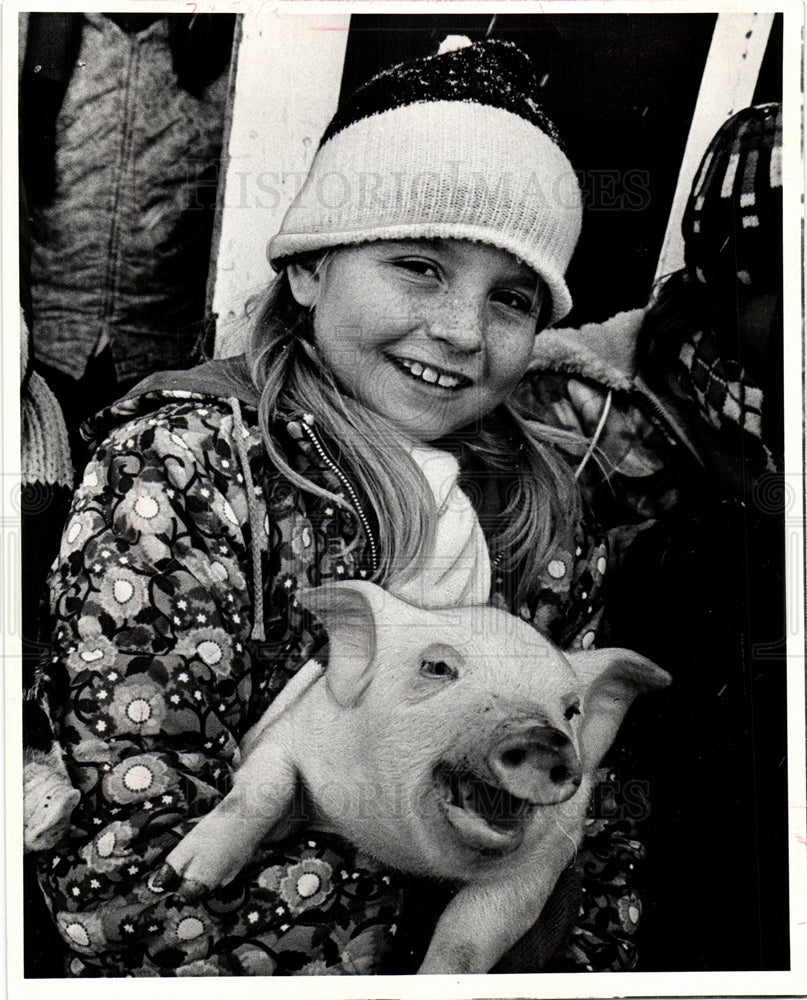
[(304, 281)]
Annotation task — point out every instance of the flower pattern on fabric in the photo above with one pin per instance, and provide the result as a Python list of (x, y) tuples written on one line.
[(254, 961), (186, 930), (156, 680), (136, 779), (92, 651), (147, 507), (211, 646), (83, 526), (110, 851), (307, 885), (558, 571), (138, 707), (122, 593), (84, 934)]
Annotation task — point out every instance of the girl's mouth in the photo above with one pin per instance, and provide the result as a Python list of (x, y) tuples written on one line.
[(432, 375)]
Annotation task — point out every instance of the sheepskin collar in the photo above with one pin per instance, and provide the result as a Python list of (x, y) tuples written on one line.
[(603, 352)]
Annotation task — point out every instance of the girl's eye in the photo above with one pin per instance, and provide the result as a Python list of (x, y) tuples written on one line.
[(518, 301), (437, 668), (415, 265)]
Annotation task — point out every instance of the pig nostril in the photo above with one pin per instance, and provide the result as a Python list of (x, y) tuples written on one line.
[(514, 757), (559, 774)]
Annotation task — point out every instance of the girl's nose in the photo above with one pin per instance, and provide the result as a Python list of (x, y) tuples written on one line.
[(462, 329)]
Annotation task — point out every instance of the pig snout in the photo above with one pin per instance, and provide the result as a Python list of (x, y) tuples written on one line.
[(537, 763)]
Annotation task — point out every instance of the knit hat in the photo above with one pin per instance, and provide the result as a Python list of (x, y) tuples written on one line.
[(732, 225), (452, 145)]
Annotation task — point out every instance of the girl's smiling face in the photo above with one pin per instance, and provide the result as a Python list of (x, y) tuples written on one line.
[(431, 334)]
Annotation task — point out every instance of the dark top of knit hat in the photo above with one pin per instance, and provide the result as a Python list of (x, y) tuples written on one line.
[(492, 72), (732, 224)]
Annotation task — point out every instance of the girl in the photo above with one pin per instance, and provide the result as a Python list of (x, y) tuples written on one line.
[(372, 431)]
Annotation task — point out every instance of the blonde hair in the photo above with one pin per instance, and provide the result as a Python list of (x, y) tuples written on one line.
[(542, 500)]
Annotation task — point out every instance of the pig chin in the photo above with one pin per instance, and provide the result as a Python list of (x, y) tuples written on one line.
[(484, 817)]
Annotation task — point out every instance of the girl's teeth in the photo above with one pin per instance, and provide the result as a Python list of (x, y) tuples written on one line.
[(430, 375)]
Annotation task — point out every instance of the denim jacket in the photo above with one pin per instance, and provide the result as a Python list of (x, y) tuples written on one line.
[(120, 253)]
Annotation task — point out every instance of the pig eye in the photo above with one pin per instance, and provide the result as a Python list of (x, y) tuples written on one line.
[(440, 662), (571, 711), (437, 668)]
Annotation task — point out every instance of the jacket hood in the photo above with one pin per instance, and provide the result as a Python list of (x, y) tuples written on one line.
[(225, 378)]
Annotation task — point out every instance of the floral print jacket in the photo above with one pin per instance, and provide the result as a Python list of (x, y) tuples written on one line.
[(176, 624)]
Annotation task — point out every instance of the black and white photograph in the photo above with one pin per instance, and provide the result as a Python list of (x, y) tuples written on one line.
[(403, 509)]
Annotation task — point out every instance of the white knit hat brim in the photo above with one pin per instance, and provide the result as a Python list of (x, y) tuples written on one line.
[(475, 172)]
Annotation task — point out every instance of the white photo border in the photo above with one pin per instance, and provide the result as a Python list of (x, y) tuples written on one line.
[(638, 984)]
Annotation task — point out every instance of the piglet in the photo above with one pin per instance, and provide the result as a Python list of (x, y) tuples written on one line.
[(456, 743)]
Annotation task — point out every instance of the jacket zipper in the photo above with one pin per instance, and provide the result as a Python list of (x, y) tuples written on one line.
[(348, 487)]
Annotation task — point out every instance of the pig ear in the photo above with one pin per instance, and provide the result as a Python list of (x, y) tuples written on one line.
[(611, 679), (346, 610)]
